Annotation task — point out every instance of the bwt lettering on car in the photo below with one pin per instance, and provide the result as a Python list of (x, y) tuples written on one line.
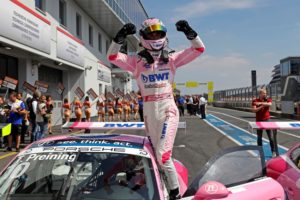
[(120, 125)]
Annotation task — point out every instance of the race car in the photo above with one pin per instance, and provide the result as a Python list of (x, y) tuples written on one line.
[(286, 170), (123, 167)]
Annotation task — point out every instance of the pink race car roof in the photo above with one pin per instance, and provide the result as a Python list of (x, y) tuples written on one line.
[(100, 136), (105, 143)]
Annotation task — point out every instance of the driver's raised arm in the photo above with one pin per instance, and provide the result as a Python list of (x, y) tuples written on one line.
[(115, 56), (197, 47)]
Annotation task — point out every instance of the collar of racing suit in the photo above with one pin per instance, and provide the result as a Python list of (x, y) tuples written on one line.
[(151, 56)]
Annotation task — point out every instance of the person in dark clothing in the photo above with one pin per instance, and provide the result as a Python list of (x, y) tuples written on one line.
[(189, 104), (261, 107), (141, 106), (195, 105), (50, 107), (32, 106), (3, 117), (180, 104), (17, 111), (25, 121)]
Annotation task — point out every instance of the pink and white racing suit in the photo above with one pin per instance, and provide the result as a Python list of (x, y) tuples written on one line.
[(160, 111)]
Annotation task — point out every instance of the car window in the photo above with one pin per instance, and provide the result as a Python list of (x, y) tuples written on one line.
[(295, 156), (79, 176)]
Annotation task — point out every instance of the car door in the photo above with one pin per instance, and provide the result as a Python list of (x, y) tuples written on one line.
[(231, 167), (292, 174)]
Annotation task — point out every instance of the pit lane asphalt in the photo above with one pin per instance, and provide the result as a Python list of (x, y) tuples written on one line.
[(201, 141), (285, 138)]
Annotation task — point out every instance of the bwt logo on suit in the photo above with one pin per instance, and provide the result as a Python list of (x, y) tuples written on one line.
[(155, 77)]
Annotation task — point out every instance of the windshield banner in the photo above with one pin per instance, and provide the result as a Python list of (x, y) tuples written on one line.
[(95, 146)]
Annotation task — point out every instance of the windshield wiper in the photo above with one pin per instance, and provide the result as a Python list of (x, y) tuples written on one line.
[(66, 182)]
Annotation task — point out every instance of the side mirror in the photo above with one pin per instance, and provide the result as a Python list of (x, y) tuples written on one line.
[(211, 190)]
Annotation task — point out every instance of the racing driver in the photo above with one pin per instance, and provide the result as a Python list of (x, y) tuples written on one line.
[(154, 70)]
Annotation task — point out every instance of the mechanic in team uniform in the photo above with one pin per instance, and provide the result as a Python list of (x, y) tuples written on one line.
[(154, 69)]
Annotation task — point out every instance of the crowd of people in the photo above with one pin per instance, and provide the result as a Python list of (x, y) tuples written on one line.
[(194, 104), (121, 109), (31, 116), (109, 109)]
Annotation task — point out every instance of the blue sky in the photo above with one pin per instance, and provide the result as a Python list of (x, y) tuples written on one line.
[(240, 35)]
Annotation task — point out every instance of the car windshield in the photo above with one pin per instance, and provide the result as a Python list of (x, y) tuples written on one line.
[(79, 175)]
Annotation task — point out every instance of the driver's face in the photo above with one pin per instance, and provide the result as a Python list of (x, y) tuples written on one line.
[(154, 35)]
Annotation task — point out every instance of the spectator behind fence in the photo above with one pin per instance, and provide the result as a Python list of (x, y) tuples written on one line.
[(17, 111), (261, 106)]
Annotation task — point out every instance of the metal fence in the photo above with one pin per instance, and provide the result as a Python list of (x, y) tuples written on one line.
[(243, 97)]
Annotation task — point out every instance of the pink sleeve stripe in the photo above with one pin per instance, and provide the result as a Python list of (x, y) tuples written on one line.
[(166, 156), (112, 57), (201, 49)]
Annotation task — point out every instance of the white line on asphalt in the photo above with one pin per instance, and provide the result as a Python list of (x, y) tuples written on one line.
[(246, 131), (229, 109), (286, 133), (180, 146), (226, 135)]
